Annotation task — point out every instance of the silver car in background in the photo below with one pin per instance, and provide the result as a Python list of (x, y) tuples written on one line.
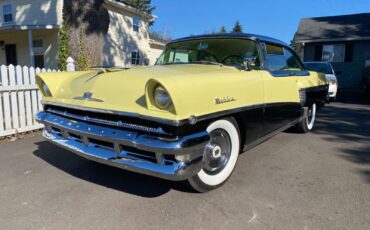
[(327, 69)]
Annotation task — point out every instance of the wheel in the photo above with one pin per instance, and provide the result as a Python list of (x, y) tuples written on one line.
[(306, 125), (220, 156)]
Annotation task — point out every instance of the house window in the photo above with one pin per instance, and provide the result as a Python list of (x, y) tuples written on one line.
[(38, 53), (8, 13), (136, 24), (333, 53), (135, 58)]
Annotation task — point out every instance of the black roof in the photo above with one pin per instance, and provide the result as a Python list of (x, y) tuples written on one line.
[(343, 27), (234, 35)]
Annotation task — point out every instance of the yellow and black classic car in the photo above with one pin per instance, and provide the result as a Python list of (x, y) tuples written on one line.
[(207, 99)]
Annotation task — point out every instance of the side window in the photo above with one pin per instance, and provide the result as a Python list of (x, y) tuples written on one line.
[(136, 24), (135, 58), (8, 13), (282, 62)]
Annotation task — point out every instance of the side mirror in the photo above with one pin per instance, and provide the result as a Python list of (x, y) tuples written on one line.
[(250, 62), (337, 72)]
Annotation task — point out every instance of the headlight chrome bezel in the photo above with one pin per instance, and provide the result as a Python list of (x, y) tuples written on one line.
[(161, 98), (46, 90), (331, 80)]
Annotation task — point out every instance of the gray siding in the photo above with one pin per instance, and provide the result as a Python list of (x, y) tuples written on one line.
[(351, 76)]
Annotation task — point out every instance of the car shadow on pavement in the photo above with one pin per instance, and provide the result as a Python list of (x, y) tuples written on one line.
[(348, 121), (104, 175)]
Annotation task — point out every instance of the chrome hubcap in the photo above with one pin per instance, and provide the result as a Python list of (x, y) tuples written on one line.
[(217, 152), (309, 115)]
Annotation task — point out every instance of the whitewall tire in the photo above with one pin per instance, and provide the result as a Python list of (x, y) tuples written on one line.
[(220, 156), (307, 124)]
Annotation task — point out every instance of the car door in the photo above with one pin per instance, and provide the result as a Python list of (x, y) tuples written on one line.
[(282, 103)]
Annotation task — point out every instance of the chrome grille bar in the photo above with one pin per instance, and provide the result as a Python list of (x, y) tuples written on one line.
[(120, 124)]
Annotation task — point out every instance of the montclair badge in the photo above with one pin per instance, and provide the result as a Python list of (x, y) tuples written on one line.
[(224, 100)]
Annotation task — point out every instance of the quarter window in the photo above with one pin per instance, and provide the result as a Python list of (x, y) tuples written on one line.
[(8, 13), (135, 58), (136, 24)]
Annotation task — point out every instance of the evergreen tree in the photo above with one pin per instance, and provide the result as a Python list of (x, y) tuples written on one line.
[(143, 5), (63, 46), (223, 29), (238, 28), (83, 58)]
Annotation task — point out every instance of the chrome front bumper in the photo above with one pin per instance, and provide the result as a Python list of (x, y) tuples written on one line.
[(169, 158)]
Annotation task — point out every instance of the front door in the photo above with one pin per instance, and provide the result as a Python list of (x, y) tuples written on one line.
[(11, 54), (281, 90)]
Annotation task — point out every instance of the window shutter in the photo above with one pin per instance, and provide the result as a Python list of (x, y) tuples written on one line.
[(318, 53), (349, 53)]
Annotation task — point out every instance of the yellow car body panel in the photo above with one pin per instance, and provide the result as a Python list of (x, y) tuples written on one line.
[(194, 89)]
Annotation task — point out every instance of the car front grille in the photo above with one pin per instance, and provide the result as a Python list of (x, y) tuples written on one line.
[(105, 119)]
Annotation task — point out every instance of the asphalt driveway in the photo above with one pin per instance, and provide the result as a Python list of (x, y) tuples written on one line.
[(316, 181)]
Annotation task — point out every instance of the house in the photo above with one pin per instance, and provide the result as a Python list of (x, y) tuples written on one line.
[(29, 34), (342, 40)]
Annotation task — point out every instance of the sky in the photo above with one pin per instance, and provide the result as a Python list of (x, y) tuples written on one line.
[(275, 18)]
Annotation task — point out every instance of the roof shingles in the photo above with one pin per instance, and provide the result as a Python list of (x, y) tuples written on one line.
[(345, 27)]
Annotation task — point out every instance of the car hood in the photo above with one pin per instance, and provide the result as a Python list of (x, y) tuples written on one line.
[(124, 90)]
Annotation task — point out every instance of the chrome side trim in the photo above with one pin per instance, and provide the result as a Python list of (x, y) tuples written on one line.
[(240, 109), (166, 121), (270, 135)]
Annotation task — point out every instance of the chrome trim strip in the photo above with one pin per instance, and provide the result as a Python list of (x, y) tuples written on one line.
[(270, 135), (240, 109), (170, 122)]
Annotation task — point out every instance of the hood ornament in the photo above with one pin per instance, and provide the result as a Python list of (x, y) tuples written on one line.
[(87, 96)]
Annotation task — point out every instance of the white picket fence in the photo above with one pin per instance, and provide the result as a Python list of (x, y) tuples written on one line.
[(19, 99)]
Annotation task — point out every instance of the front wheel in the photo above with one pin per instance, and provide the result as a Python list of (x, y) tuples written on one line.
[(306, 125), (220, 156)]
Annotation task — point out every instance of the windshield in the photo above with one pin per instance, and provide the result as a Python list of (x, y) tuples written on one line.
[(319, 67), (225, 51)]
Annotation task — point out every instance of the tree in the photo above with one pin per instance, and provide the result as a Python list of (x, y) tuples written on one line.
[(63, 45), (293, 45), (238, 28), (83, 57), (223, 29), (143, 5)]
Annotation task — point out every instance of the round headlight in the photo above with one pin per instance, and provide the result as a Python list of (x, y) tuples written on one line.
[(161, 98), (332, 80), (46, 90)]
